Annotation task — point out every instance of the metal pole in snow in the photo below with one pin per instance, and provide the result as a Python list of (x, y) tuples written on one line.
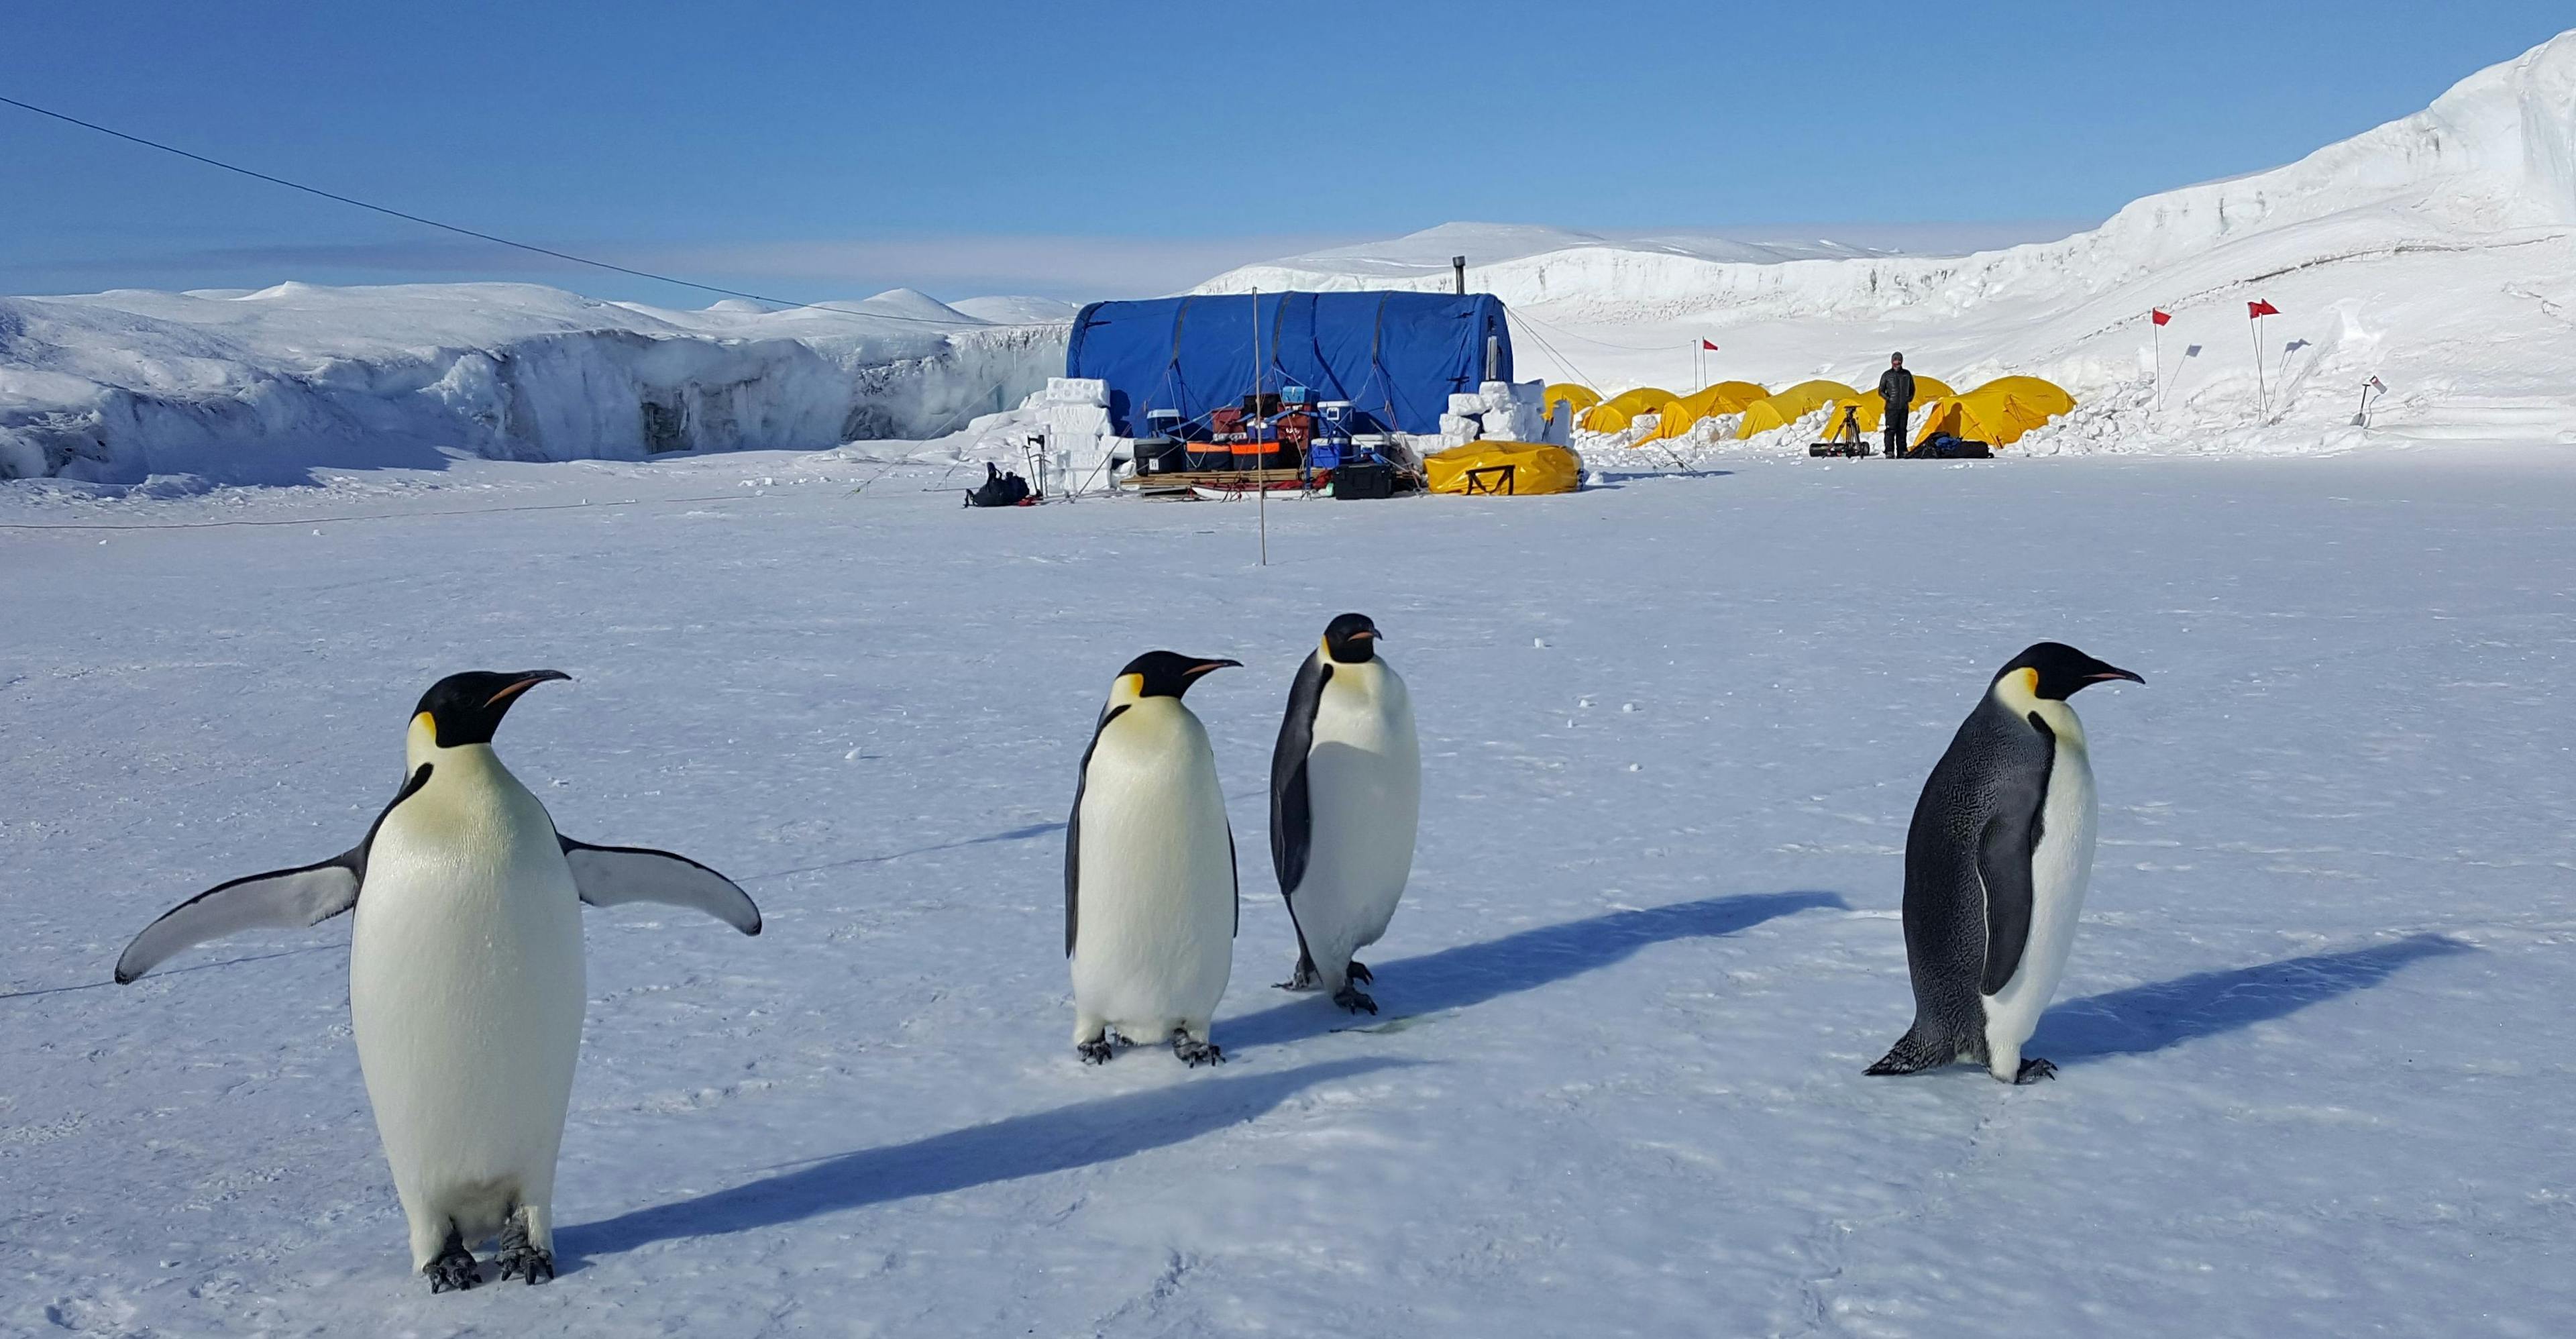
[(2255, 327), (1260, 491), (2159, 332)]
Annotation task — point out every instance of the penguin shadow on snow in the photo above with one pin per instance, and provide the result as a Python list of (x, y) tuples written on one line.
[(1086, 1133), (2161, 1014), (1454, 978)]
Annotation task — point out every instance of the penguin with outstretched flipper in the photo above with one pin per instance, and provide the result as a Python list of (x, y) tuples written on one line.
[(465, 973)]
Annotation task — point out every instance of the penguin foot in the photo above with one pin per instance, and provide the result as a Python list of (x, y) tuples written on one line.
[(1095, 1051), (1359, 972), (453, 1270), (521, 1258), (1349, 997), (1911, 1055), (1305, 977), (1194, 1052), (2035, 1069)]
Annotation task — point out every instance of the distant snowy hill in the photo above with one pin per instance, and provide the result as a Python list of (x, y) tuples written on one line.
[(1421, 260), (234, 386), (2434, 251), (1016, 310)]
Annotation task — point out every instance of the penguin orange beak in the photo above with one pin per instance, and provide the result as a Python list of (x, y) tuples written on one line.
[(1368, 635), (2110, 672), (521, 684), (1204, 666)]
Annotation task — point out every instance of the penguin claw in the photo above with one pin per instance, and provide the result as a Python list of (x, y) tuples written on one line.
[(1349, 997), (528, 1263), (2035, 1069), (1195, 1053), (1305, 977), (1095, 1051), (1359, 972), (522, 1258), (453, 1270)]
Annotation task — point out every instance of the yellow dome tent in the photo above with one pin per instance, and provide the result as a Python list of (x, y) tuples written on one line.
[(1617, 412), (1675, 418), (1729, 397), (1787, 407), (1726, 397), (1996, 413), (1505, 469), (1581, 397), (1872, 410)]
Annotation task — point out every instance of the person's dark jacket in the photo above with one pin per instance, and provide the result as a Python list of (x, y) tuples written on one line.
[(1896, 387)]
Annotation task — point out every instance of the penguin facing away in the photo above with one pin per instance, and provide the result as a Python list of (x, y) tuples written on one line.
[(465, 972), (1345, 806), (1996, 863), (1150, 897)]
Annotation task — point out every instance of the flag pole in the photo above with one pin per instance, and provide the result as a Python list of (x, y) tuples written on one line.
[(1260, 486), (2254, 331), (2157, 328)]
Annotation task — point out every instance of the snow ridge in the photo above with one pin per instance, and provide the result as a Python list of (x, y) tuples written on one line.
[(2495, 153), (262, 387)]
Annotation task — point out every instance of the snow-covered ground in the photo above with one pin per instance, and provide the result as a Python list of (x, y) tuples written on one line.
[(183, 390), (2312, 1084)]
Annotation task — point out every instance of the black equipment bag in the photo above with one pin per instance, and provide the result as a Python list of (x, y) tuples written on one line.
[(998, 489)]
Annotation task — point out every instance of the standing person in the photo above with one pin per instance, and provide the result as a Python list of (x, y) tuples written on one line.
[(1896, 387)]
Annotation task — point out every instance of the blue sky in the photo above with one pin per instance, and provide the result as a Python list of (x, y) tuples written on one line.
[(832, 151)]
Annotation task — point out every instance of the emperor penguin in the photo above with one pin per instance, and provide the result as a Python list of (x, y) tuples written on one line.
[(1345, 803), (1996, 862), (465, 972), (1151, 904)]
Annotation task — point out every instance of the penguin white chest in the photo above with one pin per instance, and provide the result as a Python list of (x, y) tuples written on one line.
[(466, 995), (1364, 795), (1154, 946), (2061, 867)]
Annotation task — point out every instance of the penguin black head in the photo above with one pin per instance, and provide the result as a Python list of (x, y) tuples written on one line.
[(466, 708), (2060, 671), (1351, 639), (1166, 673)]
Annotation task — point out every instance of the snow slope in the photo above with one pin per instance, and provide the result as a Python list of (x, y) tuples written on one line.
[(2313, 1079), (1421, 260), (2437, 252), (1017, 310), (262, 387)]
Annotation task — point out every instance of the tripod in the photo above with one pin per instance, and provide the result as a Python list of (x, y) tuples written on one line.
[(1845, 439)]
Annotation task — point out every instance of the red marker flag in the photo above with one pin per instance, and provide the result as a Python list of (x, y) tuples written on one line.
[(1708, 346), (2160, 316), (2258, 307)]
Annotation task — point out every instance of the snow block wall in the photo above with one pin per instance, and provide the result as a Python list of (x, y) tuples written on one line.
[(261, 387), (1499, 411), (1080, 449)]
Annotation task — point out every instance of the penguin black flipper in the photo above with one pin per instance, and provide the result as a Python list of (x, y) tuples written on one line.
[(2003, 866), (1073, 833), (609, 876), (1292, 815), (281, 899)]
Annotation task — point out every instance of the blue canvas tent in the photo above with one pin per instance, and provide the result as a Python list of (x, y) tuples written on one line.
[(1397, 357)]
